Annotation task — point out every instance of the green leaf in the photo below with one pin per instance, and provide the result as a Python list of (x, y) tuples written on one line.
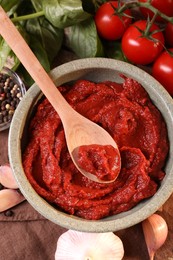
[(41, 55), (25, 76), (4, 52), (113, 50), (7, 57), (50, 37), (63, 13), (7, 5), (15, 61), (40, 52), (37, 5), (83, 39)]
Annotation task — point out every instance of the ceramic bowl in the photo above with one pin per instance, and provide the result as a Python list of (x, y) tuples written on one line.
[(95, 69)]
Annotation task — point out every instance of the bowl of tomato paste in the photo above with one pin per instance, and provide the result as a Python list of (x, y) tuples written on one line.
[(134, 109)]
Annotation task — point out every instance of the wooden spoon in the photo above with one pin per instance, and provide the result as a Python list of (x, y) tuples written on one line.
[(78, 129)]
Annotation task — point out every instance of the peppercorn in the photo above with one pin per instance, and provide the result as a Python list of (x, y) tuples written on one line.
[(10, 96), (4, 113), (8, 213)]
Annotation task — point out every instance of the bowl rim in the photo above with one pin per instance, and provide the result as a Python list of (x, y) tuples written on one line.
[(108, 224)]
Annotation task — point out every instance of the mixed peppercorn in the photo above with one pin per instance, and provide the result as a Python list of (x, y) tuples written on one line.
[(10, 96)]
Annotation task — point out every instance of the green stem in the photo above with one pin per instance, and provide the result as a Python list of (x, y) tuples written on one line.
[(26, 17), (149, 24), (134, 4)]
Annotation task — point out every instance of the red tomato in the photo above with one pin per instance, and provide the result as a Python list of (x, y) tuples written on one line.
[(110, 25), (165, 6), (169, 34), (137, 48), (163, 70)]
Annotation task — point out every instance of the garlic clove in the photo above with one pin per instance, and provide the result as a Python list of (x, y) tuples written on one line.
[(7, 178), (9, 198), (155, 232), (74, 245)]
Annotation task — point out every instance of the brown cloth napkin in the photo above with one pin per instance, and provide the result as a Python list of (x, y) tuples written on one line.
[(26, 235)]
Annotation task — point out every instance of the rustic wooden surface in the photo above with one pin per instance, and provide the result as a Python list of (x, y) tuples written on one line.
[(132, 238)]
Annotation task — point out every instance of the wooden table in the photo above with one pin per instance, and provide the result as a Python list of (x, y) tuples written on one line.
[(132, 238)]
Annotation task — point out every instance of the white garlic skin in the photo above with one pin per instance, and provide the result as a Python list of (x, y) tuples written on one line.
[(74, 245), (9, 198), (7, 178), (155, 232)]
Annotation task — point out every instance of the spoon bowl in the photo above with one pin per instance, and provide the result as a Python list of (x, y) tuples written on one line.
[(78, 130)]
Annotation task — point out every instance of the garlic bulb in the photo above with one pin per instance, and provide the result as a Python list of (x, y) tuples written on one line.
[(9, 198), (155, 231), (74, 245), (7, 178)]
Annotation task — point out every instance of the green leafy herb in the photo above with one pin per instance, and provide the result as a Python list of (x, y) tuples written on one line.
[(113, 50), (37, 5), (4, 52), (49, 37), (83, 39), (8, 5), (64, 13), (49, 25)]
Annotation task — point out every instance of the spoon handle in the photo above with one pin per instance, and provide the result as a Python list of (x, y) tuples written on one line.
[(31, 63)]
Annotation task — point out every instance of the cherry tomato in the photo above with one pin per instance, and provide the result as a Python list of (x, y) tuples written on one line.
[(139, 49), (165, 6), (169, 34), (111, 26), (162, 70)]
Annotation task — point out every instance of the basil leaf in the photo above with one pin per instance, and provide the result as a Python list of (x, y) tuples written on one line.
[(41, 55), (15, 62), (113, 50), (37, 4), (7, 57), (40, 52), (25, 76), (63, 13), (83, 39), (50, 37), (7, 5), (4, 52)]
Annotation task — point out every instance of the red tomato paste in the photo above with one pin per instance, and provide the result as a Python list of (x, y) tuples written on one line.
[(127, 113), (103, 161)]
